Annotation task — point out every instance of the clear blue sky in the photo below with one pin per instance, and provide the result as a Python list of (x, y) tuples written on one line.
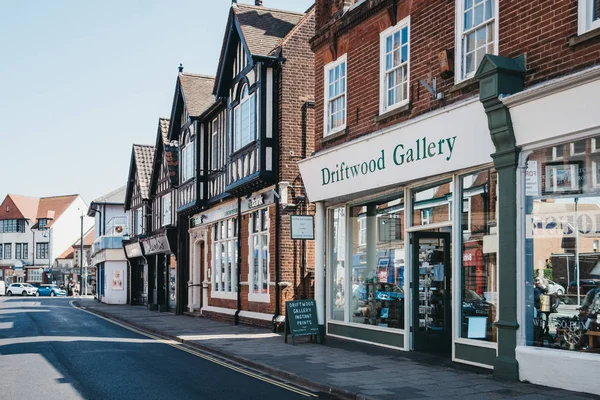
[(81, 81)]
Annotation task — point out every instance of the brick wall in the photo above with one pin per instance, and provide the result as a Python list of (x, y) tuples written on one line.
[(540, 29)]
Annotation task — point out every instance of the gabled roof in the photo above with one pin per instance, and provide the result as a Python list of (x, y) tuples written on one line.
[(67, 254), (259, 29), (263, 28), (197, 92), (192, 92), (115, 197), (170, 149), (140, 168), (53, 207), (88, 239), (26, 207)]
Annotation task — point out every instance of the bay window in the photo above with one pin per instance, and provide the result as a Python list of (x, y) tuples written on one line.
[(165, 205), (244, 120)]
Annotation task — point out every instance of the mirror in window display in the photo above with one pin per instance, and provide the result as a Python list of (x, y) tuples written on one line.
[(432, 205), (562, 236), (479, 255), (338, 263), (378, 263)]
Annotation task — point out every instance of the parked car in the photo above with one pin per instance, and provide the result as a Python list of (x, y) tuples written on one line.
[(2, 288), (50, 290), (585, 285), (23, 289), (554, 287)]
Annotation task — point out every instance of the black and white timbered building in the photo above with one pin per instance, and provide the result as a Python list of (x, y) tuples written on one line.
[(138, 208), (160, 245), (243, 264)]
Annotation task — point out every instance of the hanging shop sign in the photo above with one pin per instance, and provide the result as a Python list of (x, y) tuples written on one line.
[(302, 227), (133, 250), (301, 318), (156, 244), (416, 149)]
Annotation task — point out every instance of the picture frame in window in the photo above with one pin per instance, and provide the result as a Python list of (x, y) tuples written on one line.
[(562, 177)]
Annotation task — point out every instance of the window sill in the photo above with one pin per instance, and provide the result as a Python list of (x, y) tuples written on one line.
[(333, 136), (466, 84), (223, 295), (259, 297), (579, 39), (393, 112)]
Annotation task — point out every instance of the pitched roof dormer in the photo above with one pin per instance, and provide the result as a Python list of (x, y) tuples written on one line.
[(251, 32), (140, 170), (193, 95)]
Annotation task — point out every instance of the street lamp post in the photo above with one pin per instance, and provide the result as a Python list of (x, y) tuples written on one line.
[(81, 259)]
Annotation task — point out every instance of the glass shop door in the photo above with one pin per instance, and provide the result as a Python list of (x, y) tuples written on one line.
[(432, 317)]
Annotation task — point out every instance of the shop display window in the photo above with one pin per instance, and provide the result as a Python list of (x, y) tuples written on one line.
[(377, 264), (562, 234), (432, 205), (224, 256), (479, 255), (338, 262)]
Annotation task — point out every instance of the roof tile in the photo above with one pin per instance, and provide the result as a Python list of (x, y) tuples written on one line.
[(197, 92), (144, 157)]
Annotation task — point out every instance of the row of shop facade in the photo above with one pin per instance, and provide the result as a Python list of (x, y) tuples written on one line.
[(464, 225)]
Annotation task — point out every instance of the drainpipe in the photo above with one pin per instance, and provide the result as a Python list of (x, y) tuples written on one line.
[(236, 317), (277, 258)]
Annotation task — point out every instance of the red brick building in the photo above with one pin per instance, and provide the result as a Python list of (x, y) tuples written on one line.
[(426, 113), (243, 264)]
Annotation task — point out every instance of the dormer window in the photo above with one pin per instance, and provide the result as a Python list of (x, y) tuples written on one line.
[(244, 119), (42, 223)]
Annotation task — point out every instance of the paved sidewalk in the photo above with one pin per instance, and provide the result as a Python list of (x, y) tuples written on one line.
[(343, 369)]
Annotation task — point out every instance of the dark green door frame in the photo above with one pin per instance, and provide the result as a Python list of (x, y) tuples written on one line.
[(504, 76)]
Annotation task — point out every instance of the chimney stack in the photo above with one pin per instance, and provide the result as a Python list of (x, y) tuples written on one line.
[(180, 68), (258, 3)]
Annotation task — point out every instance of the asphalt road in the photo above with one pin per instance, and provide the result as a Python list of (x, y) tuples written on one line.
[(50, 350)]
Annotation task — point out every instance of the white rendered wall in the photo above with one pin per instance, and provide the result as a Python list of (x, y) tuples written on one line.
[(112, 296), (66, 230)]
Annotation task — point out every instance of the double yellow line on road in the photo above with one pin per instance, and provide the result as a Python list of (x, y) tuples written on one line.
[(188, 349)]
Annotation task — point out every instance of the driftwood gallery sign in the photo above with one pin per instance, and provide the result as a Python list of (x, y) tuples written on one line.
[(301, 318)]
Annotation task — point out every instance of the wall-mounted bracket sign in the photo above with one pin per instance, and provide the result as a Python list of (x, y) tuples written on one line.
[(302, 227), (301, 319)]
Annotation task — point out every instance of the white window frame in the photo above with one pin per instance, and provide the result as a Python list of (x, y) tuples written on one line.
[(188, 159), (227, 277), (554, 156), (138, 221), (238, 129), (8, 254), (260, 297), (572, 148), (585, 14), (214, 157), (25, 251), (166, 207), (34, 275), (362, 230), (383, 87), (326, 131), (596, 144), (458, 56), (426, 221)]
